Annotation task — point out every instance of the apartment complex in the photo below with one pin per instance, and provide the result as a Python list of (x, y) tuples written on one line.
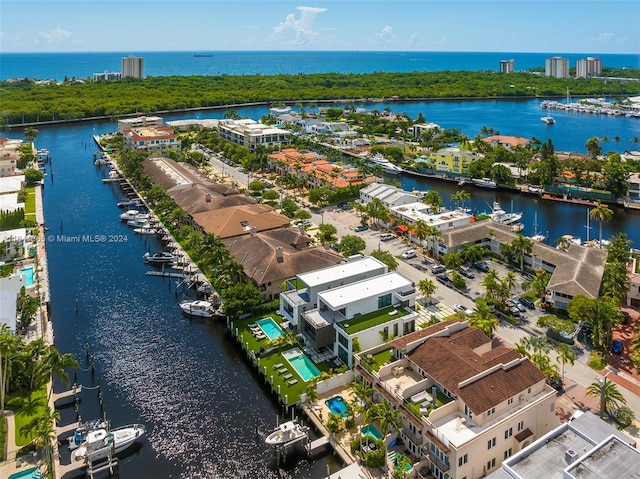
[(588, 67), (468, 403), (133, 66), (107, 75), (556, 67), (138, 121), (507, 66), (249, 133), (152, 139)]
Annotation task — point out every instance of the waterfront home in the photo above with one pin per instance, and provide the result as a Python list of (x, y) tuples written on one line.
[(9, 202), (9, 156), (302, 291), (370, 311), (507, 141), (419, 128), (11, 184), (270, 257), (9, 291), (389, 195), (152, 139), (240, 220), (249, 133), (12, 244), (578, 270), (442, 220), (584, 443), (633, 294), (468, 403), (138, 122), (453, 160), (633, 194)]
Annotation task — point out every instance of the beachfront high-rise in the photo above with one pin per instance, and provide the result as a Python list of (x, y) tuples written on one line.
[(507, 66), (133, 66), (556, 67), (588, 67)]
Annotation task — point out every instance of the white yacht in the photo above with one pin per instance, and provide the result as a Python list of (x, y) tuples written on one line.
[(145, 230), (386, 165), (549, 120), (101, 442), (286, 433), (484, 182), (80, 433), (161, 257), (199, 308), (501, 216), (131, 215)]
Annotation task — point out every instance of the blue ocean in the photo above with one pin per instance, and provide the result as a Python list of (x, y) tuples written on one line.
[(57, 66)]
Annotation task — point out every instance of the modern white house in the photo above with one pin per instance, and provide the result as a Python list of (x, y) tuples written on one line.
[(9, 290), (12, 244), (303, 290), (371, 311), (468, 404)]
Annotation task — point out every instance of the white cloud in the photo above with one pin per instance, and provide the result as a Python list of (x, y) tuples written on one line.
[(603, 38), (299, 31), (415, 40), (55, 37), (385, 36)]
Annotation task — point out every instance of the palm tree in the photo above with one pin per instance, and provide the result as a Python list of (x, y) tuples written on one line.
[(9, 344), (452, 260), (491, 285), (434, 234), (601, 213), (473, 252), (521, 245), (461, 196), (362, 394), (386, 417), (433, 199), (483, 318), (421, 231), (610, 396), (565, 355), (539, 283), (506, 285), (427, 287)]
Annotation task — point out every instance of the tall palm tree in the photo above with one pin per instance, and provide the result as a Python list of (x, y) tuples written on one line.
[(434, 234), (421, 231), (473, 252), (461, 196), (386, 416), (506, 285), (491, 285), (433, 199), (362, 394), (521, 245), (452, 260), (565, 355), (483, 318), (426, 287), (9, 344), (610, 396), (601, 213)]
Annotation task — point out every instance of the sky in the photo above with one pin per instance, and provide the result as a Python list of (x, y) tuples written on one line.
[(566, 26)]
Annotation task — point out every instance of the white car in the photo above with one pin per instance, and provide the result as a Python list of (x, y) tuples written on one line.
[(462, 309), (410, 253)]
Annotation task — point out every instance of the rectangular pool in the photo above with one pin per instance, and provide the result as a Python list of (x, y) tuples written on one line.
[(371, 431), (337, 405), (270, 328), (28, 274), (302, 364), (32, 473)]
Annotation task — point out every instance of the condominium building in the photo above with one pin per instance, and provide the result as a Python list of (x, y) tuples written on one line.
[(588, 67), (138, 121), (152, 139), (107, 75), (133, 66), (507, 66), (249, 133), (556, 67), (468, 404)]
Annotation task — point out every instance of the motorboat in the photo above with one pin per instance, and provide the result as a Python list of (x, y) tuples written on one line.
[(287, 433), (139, 223), (80, 433), (145, 230), (101, 162), (130, 215), (501, 216), (386, 165), (549, 120), (484, 182), (102, 442), (129, 203), (161, 257), (199, 308)]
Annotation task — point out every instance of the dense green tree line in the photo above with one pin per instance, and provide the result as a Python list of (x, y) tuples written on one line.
[(24, 101)]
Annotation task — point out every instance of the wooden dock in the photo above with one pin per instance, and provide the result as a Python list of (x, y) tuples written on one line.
[(166, 274), (318, 444)]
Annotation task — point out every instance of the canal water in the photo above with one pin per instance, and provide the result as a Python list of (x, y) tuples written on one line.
[(183, 379)]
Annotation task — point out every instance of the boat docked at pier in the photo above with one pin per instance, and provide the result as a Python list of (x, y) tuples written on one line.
[(287, 433), (549, 120), (160, 258), (131, 215), (198, 308), (129, 203), (484, 182), (100, 443), (501, 216), (146, 230), (386, 165), (80, 433)]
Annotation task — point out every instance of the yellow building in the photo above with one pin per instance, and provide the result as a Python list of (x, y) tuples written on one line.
[(453, 160)]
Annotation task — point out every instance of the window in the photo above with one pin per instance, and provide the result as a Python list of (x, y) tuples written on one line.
[(507, 454), (491, 464), (520, 426), (491, 411), (491, 443), (510, 401), (508, 433), (463, 460), (344, 341), (384, 301), (468, 412)]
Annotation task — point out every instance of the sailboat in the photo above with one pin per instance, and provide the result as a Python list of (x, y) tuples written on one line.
[(538, 237)]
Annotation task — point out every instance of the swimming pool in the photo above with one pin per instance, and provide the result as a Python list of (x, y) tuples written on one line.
[(371, 431), (302, 364), (28, 274), (270, 328), (33, 473), (337, 405), (395, 458)]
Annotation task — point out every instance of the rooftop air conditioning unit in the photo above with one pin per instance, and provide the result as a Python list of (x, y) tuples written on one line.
[(570, 455)]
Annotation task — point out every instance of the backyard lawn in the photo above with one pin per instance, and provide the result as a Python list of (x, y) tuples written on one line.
[(25, 410)]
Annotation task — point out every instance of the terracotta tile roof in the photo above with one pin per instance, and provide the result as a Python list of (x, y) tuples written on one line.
[(196, 198), (401, 342), (506, 140), (262, 264), (500, 373), (237, 220)]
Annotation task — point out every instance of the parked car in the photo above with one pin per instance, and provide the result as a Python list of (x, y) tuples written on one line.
[(362, 228), (387, 236), (518, 304), (438, 268), (528, 303), (411, 253), (443, 278), (344, 206), (463, 309), (560, 336), (616, 346), (466, 272), (481, 266)]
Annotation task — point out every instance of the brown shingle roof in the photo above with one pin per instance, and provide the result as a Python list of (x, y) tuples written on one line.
[(237, 220), (401, 342), (196, 198), (451, 360)]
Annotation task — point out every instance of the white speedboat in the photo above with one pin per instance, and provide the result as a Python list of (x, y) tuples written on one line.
[(161, 257), (80, 433), (131, 215), (386, 165), (484, 182), (549, 120), (199, 308), (501, 216), (101, 442), (139, 223), (286, 433), (145, 230)]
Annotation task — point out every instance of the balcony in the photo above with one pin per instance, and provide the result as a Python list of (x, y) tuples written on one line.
[(433, 457)]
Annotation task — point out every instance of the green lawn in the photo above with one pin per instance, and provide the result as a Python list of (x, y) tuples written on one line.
[(441, 400), (370, 320), (30, 204), (375, 363), (26, 410)]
